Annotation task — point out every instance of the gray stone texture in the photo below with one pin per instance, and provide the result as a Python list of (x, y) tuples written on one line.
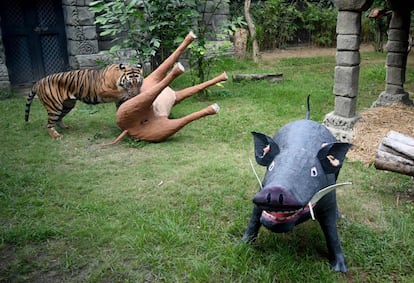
[(346, 81), (347, 42), (340, 127), (347, 58), (78, 15), (395, 76), (345, 106), (348, 22), (4, 74), (396, 61)]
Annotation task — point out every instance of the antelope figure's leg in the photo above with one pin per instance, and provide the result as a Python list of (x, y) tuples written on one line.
[(158, 74), (163, 128), (180, 95)]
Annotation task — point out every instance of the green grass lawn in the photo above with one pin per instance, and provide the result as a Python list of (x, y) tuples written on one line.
[(175, 211)]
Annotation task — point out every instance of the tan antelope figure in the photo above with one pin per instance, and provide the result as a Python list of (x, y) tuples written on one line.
[(145, 116)]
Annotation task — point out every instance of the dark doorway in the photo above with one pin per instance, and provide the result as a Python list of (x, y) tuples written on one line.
[(34, 39)]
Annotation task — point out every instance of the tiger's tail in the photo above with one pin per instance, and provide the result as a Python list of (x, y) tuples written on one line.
[(29, 101)]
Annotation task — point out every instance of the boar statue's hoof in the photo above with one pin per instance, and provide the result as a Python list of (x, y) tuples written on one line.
[(339, 264)]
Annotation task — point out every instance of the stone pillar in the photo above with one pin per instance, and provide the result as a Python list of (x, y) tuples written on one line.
[(81, 33), (397, 45), (4, 74), (341, 121)]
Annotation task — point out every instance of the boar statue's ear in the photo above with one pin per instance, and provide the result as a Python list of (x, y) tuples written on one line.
[(332, 155), (265, 149)]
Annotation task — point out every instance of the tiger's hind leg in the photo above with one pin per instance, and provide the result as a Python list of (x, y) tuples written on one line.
[(56, 118)]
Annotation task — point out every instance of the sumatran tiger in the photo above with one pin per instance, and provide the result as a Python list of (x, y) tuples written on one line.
[(59, 92)]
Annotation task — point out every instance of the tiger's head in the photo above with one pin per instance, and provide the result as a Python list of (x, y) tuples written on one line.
[(131, 79)]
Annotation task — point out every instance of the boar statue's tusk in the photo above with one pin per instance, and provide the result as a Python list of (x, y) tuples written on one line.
[(316, 197), (255, 173)]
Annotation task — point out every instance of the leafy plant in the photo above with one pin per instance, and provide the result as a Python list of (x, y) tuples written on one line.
[(150, 28), (276, 21), (320, 22)]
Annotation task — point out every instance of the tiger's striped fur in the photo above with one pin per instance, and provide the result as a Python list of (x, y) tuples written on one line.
[(59, 92)]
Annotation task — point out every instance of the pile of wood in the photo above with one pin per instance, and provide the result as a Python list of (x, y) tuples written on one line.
[(374, 125), (396, 153)]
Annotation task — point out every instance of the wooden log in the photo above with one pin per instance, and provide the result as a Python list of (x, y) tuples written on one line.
[(396, 153), (276, 77)]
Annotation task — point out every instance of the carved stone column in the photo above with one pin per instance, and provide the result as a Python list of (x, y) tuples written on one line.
[(81, 33), (397, 44), (4, 74), (341, 121)]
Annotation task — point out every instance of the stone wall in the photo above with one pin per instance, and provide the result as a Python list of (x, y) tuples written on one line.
[(4, 74), (82, 39)]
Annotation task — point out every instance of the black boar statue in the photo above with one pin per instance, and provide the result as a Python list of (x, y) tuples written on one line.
[(303, 160)]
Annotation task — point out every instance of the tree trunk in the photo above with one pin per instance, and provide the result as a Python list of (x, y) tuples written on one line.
[(396, 153), (252, 30), (240, 43)]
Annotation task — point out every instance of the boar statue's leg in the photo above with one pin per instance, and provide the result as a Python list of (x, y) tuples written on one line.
[(158, 74)]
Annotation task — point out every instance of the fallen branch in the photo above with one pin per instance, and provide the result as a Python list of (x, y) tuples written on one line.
[(274, 78)]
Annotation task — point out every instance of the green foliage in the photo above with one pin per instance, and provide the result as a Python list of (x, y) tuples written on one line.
[(276, 23), (320, 22), (150, 28), (375, 30), (202, 53)]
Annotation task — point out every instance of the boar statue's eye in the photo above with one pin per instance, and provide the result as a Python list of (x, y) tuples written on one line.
[(314, 172)]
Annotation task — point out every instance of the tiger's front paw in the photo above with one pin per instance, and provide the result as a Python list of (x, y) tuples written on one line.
[(54, 134)]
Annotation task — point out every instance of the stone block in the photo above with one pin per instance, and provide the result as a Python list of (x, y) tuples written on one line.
[(397, 35), (400, 20), (397, 98), (5, 86), (346, 81), (347, 42), (345, 106), (82, 47), (348, 22), (91, 61), (81, 3), (393, 89), (347, 58), (396, 59), (397, 46), (81, 32), (395, 76), (340, 127), (73, 63), (75, 15)]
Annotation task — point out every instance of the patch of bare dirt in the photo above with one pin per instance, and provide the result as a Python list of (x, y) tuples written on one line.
[(305, 51), (374, 125)]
